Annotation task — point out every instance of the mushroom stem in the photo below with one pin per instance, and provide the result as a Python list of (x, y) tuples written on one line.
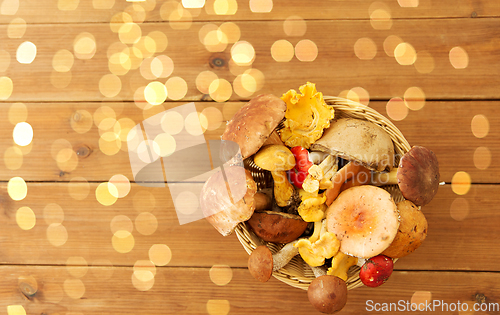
[(283, 257), (348, 171), (386, 178), (319, 271), (283, 189)]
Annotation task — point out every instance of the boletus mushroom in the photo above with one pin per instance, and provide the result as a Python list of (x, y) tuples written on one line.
[(365, 220), (417, 175), (262, 262), (411, 233), (277, 227), (228, 200), (252, 124), (328, 294)]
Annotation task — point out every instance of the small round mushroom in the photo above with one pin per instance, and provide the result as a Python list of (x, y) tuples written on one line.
[(278, 159), (262, 262), (277, 227), (360, 141), (417, 176), (252, 124), (227, 203), (328, 294)]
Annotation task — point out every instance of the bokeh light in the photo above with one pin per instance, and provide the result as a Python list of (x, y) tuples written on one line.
[(306, 50), (177, 88), (110, 85), (220, 90), (122, 185), (461, 183), (6, 88), (282, 50), (13, 158), (425, 62), (74, 288), (242, 53), (78, 188), (396, 109), (420, 299), (53, 213), (186, 202), (63, 60), (459, 58), (218, 307), (390, 44), (365, 48), (9, 7), (17, 28), (294, 26), (17, 188), (193, 4), (414, 98), (105, 194), (482, 158), (146, 223), (408, 3), (103, 4), (123, 241), (67, 5), (155, 93), (18, 112), (160, 254), (381, 19), (23, 134), (84, 46), (213, 116), (26, 53), (480, 126), (172, 122), (121, 222), (77, 266), (204, 79), (57, 235), (15, 310), (25, 218), (221, 274), (358, 94), (405, 54), (459, 209), (261, 6)]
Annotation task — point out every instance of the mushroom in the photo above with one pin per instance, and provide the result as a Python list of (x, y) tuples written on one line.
[(417, 175), (328, 294), (227, 203), (277, 227), (312, 208), (252, 124), (341, 264), (365, 220), (358, 140), (320, 246), (349, 171), (262, 262), (307, 115), (411, 233), (278, 159)]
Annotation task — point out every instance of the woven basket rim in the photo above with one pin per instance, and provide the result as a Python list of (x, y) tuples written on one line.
[(297, 273)]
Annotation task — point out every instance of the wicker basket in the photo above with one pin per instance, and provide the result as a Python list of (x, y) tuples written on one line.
[(297, 273)]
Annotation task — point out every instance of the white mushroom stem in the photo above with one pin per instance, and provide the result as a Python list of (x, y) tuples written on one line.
[(316, 157), (283, 257), (386, 178), (319, 271)]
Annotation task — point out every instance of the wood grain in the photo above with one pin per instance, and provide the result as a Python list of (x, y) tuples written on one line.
[(382, 76), (90, 230), (444, 127), (176, 292), (54, 11)]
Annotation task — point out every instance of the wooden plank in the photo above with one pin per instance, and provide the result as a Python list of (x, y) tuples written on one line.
[(54, 11), (444, 127), (462, 233), (382, 76), (191, 291)]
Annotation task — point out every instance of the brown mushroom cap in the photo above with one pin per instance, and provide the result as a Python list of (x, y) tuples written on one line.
[(260, 263), (411, 233), (328, 294), (277, 227), (360, 141), (253, 123), (418, 175), (226, 204)]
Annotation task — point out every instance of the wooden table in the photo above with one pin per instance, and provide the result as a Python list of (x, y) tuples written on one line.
[(80, 74)]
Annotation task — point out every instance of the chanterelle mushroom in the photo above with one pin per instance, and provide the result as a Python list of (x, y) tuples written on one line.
[(360, 141), (417, 175), (251, 126), (223, 206)]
